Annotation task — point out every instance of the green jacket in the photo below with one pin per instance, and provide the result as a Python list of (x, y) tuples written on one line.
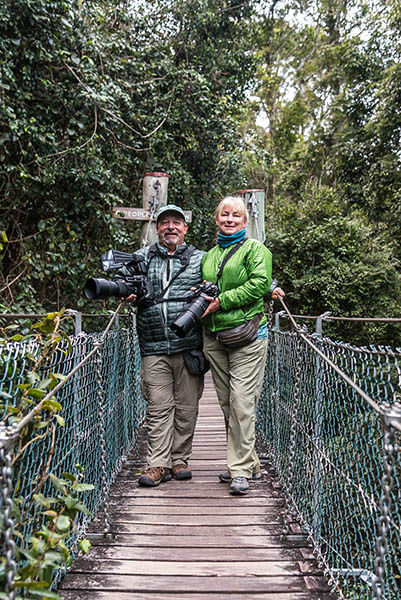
[(244, 282)]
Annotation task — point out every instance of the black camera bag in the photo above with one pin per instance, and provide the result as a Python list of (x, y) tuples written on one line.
[(196, 362)]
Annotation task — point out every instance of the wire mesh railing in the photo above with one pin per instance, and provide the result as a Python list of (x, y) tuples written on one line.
[(103, 409), (329, 418)]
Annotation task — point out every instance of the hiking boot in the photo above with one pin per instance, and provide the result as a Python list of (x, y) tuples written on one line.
[(154, 476), (181, 472), (239, 486), (226, 477)]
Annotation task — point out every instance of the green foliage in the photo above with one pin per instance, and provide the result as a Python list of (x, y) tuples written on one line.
[(47, 549), (328, 83), (53, 516), (334, 261), (93, 96)]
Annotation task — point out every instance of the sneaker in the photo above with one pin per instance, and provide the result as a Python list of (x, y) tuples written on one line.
[(239, 486), (226, 477), (181, 472), (154, 476)]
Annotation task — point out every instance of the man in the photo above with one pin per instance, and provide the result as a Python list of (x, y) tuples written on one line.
[(171, 391)]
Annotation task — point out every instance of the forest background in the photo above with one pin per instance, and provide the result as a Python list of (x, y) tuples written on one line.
[(300, 98)]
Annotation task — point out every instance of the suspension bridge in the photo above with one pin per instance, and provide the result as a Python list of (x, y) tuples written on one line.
[(323, 522)]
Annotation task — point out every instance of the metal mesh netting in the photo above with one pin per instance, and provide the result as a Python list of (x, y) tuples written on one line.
[(120, 403), (327, 446)]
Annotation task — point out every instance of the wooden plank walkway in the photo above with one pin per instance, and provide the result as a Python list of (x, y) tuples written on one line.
[(192, 540)]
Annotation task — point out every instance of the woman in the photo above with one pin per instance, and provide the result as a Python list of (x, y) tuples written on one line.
[(238, 372)]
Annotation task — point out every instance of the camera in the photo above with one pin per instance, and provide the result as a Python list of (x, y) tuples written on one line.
[(186, 320), (130, 278)]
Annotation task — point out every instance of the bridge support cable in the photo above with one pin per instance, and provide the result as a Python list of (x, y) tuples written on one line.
[(329, 419)]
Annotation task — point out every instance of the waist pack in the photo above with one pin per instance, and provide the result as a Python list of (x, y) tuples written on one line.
[(242, 335), (195, 362)]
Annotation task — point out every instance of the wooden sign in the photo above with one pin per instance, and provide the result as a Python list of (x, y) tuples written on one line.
[(140, 214)]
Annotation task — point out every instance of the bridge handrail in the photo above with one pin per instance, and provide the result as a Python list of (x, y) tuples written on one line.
[(28, 418), (102, 408), (334, 446), (394, 421)]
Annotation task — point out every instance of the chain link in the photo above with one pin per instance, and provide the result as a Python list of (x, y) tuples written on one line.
[(384, 521), (8, 524), (103, 464), (270, 315)]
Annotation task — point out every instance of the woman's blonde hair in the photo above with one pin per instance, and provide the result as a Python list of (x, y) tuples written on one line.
[(235, 203)]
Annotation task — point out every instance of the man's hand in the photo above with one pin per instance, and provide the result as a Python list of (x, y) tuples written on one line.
[(213, 306), (278, 293), (130, 298)]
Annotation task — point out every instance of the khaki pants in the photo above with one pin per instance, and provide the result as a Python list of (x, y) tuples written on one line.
[(172, 396), (238, 378)]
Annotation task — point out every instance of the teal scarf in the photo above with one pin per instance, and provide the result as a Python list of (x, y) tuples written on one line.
[(224, 240)]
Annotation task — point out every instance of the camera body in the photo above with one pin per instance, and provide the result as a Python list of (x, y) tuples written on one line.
[(188, 319), (130, 278)]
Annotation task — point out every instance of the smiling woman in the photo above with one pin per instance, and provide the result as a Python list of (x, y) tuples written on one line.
[(242, 269), (231, 218)]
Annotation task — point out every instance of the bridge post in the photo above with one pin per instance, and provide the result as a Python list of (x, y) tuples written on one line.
[(277, 319), (77, 316), (154, 196), (255, 202), (319, 322)]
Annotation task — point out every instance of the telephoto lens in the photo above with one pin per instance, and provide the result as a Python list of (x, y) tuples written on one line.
[(103, 288), (190, 317)]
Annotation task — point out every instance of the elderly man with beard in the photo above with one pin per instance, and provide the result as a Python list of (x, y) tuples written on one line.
[(171, 390)]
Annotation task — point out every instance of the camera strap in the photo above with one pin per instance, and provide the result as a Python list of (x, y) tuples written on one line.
[(227, 258), (185, 259)]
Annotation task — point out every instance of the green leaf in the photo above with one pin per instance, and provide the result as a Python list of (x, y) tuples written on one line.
[(47, 384), (60, 420), (83, 509), (63, 523), (36, 393), (58, 484), (84, 545), (42, 500), (68, 476), (82, 487), (70, 502), (46, 594), (59, 376), (52, 405), (17, 337)]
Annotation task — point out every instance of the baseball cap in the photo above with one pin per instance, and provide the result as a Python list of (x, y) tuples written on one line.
[(170, 208)]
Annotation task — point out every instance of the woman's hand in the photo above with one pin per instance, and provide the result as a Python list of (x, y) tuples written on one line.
[(213, 306), (278, 293)]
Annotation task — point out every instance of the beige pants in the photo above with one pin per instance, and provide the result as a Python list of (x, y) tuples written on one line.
[(238, 378), (172, 396)]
